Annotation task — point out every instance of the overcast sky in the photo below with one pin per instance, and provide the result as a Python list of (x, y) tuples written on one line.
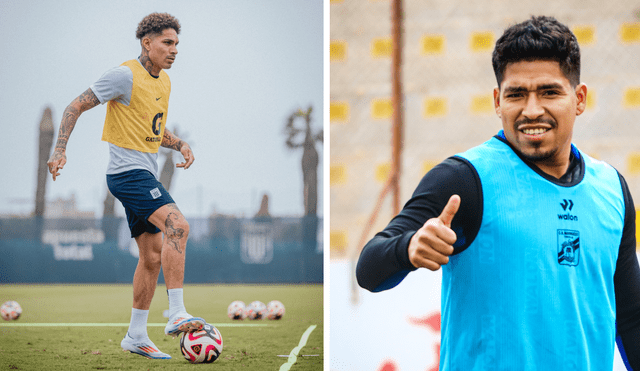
[(243, 67)]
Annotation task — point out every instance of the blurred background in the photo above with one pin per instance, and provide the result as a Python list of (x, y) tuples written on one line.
[(444, 94), (247, 95)]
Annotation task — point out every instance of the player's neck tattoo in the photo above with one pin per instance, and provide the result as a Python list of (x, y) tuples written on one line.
[(146, 61)]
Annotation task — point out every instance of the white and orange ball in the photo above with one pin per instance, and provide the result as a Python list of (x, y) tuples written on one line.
[(10, 310), (236, 310), (275, 309), (256, 310)]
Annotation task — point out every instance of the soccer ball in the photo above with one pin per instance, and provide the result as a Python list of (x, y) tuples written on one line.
[(236, 310), (10, 310), (256, 310), (201, 346), (275, 310)]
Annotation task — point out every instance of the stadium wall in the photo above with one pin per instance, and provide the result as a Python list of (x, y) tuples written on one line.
[(220, 250)]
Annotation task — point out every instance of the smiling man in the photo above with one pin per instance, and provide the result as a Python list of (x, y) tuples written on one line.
[(538, 105), (137, 97), (536, 240)]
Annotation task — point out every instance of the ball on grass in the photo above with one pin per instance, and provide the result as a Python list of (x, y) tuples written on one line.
[(275, 310), (256, 310), (10, 310), (236, 310)]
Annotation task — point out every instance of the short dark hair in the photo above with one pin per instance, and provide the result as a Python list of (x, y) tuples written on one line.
[(155, 23), (539, 38)]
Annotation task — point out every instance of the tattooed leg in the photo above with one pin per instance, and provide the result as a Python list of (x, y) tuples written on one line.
[(173, 234), (176, 232)]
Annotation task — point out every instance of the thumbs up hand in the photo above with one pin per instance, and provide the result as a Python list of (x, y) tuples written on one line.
[(431, 246)]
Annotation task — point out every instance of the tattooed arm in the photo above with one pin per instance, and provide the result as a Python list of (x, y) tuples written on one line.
[(83, 102), (169, 140)]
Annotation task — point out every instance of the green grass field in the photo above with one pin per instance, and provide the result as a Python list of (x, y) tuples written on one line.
[(79, 327)]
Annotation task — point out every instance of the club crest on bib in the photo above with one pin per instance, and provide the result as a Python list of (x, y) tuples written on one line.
[(568, 247)]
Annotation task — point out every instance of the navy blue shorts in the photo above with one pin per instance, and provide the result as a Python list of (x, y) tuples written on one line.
[(141, 194)]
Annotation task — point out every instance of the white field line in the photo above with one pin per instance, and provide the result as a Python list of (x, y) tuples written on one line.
[(293, 356)]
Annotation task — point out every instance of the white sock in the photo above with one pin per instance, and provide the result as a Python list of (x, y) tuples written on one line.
[(176, 304), (138, 324)]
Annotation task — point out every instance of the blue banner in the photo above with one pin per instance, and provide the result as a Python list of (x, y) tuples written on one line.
[(219, 250)]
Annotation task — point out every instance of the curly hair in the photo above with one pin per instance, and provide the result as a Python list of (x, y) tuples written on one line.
[(155, 23), (539, 38)]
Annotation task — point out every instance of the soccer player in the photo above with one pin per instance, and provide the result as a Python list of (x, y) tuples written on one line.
[(536, 240), (137, 93)]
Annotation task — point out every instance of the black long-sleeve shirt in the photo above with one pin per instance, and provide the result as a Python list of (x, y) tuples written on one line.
[(384, 261)]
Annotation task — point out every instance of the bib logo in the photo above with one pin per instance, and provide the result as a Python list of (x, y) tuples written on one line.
[(567, 205), (157, 123), (155, 127), (568, 247)]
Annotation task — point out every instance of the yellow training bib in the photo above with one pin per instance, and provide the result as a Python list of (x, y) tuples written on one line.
[(140, 125)]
